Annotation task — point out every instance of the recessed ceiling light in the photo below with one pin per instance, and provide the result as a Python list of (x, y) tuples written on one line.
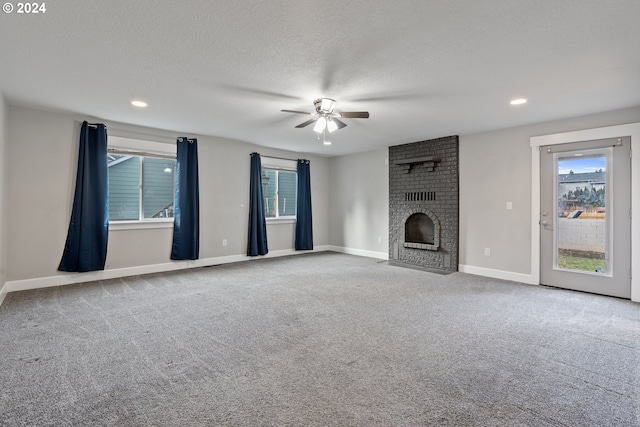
[(327, 142), (140, 104), (518, 101)]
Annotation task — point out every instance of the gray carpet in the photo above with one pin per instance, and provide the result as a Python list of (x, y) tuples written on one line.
[(317, 340)]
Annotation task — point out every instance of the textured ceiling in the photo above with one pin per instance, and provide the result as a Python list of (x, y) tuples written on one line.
[(423, 69)]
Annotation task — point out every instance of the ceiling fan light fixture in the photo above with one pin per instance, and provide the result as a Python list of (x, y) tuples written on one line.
[(324, 118), (321, 123), (324, 105), (327, 105)]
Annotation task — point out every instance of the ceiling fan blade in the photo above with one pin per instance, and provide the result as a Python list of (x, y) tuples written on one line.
[(294, 111), (354, 115), (340, 123), (307, 123)]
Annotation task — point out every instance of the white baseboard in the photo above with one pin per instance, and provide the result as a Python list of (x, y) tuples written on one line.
[(498, 274), (359, 252), (71, 278), (3, 292)]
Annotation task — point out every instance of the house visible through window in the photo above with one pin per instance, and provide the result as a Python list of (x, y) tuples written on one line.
[(280, 192), (141, 187)]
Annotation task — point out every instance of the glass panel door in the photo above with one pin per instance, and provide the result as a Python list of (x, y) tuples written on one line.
[(582, 239), (585, 224)]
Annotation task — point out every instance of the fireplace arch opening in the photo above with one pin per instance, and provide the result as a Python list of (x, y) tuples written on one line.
[(419, 228)]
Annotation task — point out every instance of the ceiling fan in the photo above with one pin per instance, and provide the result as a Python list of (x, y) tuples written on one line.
[(325, 118)]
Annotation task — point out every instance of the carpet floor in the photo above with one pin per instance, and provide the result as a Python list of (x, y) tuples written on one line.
[(321, 339)]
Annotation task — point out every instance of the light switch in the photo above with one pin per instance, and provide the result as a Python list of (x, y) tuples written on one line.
[(509, 206)]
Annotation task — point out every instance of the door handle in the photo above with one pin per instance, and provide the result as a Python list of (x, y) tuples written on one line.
[(546, 224)]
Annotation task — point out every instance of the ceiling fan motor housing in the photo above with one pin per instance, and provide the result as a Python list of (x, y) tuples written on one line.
[(324, 105)]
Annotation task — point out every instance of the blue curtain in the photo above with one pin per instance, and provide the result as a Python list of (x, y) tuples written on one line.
[(304, 225), (86, 245), (257, 241), (186, 221)]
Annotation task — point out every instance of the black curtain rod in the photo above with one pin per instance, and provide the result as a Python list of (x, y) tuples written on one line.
[(139, 153), (95, 125), (279, 158)]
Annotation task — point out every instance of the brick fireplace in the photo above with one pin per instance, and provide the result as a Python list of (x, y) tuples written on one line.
[(423, 204)]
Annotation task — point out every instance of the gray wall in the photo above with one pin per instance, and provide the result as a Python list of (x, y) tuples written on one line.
[(359, 208), (350, 196), (495, 168), (4, 173), (41, 176)]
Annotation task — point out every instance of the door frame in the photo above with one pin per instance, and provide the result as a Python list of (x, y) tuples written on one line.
[(631, 130)]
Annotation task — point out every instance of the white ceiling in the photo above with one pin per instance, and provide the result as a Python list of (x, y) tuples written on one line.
[(423, 69)]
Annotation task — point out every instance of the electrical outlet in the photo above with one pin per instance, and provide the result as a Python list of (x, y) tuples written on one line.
[(224, 242), (487, 251), (509, 206), (379, 239)]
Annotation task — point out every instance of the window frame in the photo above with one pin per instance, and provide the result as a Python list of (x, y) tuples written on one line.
[(141, 149), (277, 165)]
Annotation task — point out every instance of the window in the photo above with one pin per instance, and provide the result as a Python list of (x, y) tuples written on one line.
[(141, 185), (279, 189)]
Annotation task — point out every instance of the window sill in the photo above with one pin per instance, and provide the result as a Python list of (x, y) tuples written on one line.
[(139, 225), (281, 221)]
